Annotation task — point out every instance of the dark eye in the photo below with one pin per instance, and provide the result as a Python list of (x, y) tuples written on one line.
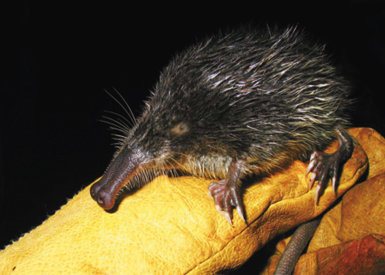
[(180, 129)]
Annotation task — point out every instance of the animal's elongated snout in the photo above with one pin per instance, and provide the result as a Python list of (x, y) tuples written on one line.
[(118, 173)]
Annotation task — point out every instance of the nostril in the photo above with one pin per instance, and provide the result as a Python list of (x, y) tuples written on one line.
[(101, 194), (100, 201), (101, 198), (104, 199)]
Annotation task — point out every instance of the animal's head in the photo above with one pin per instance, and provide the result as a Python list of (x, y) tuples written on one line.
[(191, 122), (177, 130)]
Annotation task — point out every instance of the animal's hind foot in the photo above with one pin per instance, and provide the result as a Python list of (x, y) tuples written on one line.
[(324, 167), (327, 166)]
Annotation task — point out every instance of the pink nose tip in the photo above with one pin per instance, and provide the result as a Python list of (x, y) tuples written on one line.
[(105, 200), (102, 197)]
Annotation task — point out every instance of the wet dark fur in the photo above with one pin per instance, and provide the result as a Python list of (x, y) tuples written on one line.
[(266, 98)]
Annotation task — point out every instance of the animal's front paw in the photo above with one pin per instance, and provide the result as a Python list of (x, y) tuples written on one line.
[(227, 196)]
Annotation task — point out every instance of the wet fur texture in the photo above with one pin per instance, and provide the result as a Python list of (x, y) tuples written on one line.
[(267, 98)]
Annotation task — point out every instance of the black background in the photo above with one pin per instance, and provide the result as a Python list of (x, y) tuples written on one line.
[(60, 56)]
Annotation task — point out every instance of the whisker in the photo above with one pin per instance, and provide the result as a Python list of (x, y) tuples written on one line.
[(116, 124), (124, 120), (180, 165), (127, 107), (124, 108), (118, 137), (171, 168)]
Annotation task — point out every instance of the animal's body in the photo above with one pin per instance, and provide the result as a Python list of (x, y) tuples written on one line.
[(241, 103)]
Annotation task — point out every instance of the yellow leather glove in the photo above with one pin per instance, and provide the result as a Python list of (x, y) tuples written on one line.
[(170, 226)]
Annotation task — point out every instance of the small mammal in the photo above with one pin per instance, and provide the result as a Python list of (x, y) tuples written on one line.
[(240, 103)]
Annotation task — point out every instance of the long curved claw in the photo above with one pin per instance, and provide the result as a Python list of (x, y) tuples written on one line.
[(327, 166), (226, 193), (237, 202), (324, 167), (227, 196)]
